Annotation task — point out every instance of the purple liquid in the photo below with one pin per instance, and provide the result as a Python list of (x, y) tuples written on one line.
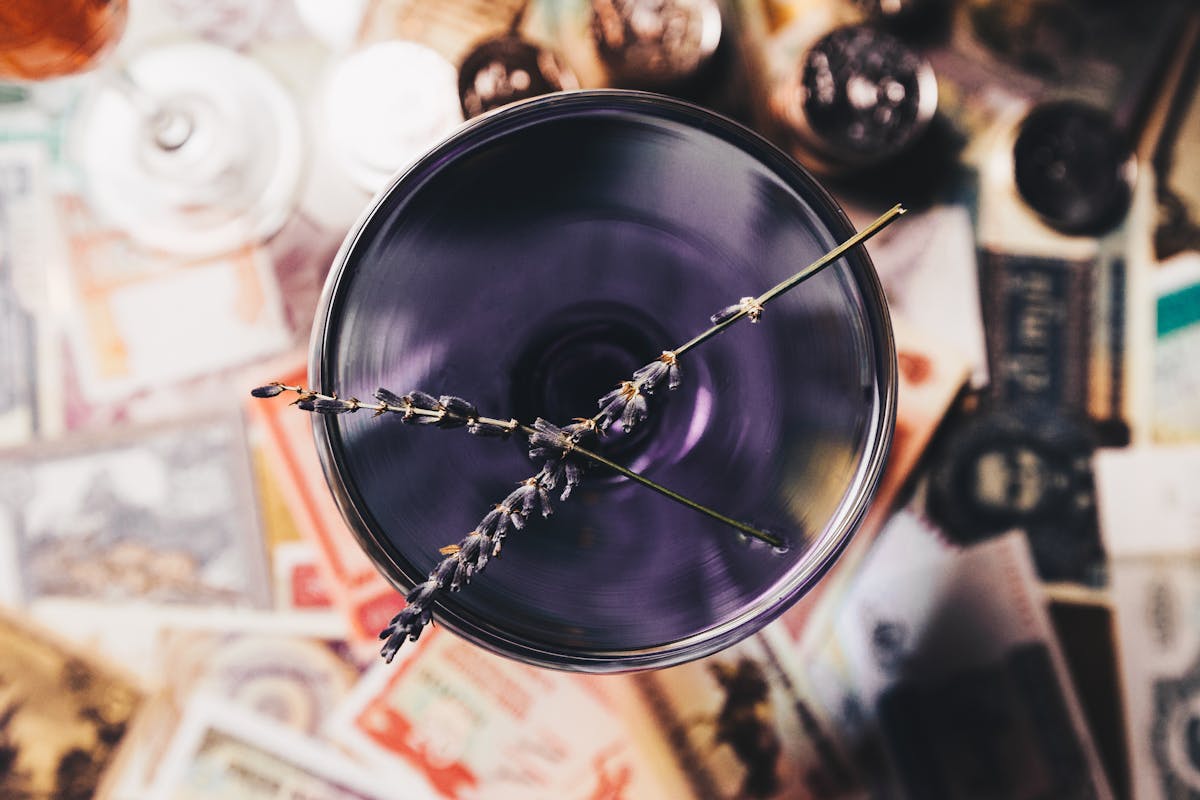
[(531, 264)]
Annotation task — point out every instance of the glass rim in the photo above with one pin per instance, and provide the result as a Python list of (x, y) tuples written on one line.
[(819, 555)]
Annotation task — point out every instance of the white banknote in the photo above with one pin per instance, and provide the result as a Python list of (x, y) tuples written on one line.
[(224, 751), (942, 677), (1150, 520), (30, 399)]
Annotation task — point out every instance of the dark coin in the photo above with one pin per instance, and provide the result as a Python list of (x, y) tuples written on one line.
[(506, 69), (1027, 468), (655, 43), (1175, 735), (864, 95), (1073, 167)]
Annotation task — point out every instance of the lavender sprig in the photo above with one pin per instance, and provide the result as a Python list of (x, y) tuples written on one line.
[(555, 446)]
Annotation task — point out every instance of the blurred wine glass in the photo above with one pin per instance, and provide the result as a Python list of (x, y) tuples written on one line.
[(41, 39), (189, 147)]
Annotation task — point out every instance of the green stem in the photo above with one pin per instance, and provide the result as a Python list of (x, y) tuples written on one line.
[(866, 233), (749, 530)]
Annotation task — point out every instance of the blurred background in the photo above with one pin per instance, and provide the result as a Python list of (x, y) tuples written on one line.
[(185, 614)]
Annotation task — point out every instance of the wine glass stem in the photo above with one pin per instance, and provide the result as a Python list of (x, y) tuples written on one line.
[(169, 125)]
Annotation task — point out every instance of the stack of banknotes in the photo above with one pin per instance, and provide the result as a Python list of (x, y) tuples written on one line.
[(185, 614)]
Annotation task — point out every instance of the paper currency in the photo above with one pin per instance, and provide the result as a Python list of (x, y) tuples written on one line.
[(30, 390), (358, 589), (1175, 412), (224, 751), (737, 728), (296, 682), (161, 516), (929, 263), (63, 716), (1150, 520), (943, 678), (475, 724), (143, 320), (296, 576), (1147, 500)]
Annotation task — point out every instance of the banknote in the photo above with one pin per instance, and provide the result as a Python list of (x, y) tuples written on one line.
[(357, 587), (1150, 520), (1175, 414), (63, 716), (30, 389), (942, 677), (737, 727), (1056, 308), (296, 577), (478, 725), (929, 262), (163, 515), (1147, 501), (295, 681), (141, 320), (225, 751)]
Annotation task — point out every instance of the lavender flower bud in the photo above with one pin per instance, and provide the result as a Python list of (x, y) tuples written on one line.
[(458, 407), (725, 313), (612, 406), (306, 404), (422, 594), (423, 401), (627, 402), (325, 405), (480, 428), (548, 439), (636, 412), (469, 547), (407, 624), (270, 390), (389, 398), (579, 430), (748, 305), (492, 522), (649, 376), (574, 474), (462, 575), (566, 471), (443, 572)]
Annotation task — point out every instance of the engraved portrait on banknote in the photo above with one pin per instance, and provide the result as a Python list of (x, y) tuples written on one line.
[(163, 515), (62, 716)]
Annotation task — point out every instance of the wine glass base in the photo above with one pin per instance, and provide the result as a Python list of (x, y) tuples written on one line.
[(231, 181)]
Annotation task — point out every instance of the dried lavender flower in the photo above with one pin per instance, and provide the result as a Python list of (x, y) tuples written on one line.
[(626, 402), (424, 402), (548, 439), (389, 398), (331, 405), (492, 428), (456, 406), (650, 376), (565, 470), (750, 305), (270, 390)]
